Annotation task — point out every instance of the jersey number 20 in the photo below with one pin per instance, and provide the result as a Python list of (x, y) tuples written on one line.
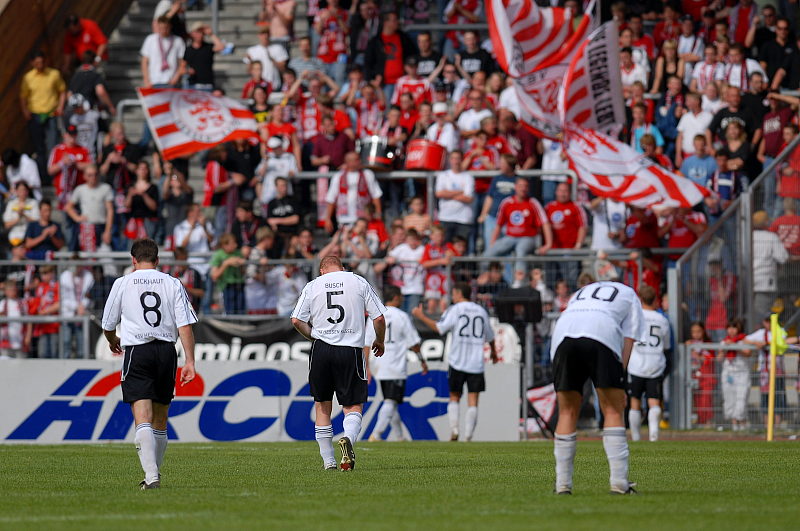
[(477, 331), (154, 309)]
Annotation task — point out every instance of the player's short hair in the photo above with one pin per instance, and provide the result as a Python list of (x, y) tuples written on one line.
[(647, 294), (330, 262), (390, 292), (145, 250), (464, 289)]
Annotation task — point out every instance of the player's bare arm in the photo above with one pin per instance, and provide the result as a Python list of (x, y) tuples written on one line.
[(303, 327), (493, 352), (418, 351), (380, 332), (113, 341), (187, 340), (430, 323), (627, 348)]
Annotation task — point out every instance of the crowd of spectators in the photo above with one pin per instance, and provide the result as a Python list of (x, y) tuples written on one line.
[(701, 83)]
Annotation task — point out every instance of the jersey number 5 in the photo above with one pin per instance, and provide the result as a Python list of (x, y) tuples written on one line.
[(154, 309), (332, 306)]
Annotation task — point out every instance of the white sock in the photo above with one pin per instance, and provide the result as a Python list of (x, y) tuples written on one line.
[(452, 414), (161, 446), (564, 451), (352, 426), (616, 446), (146, 447), (385, 415), (653, 418), (324, 436), (635, 420), (471, 421), (397, 426)]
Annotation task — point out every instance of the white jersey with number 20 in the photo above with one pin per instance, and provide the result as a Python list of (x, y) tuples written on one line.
[(334, 304), (150, 305), (468, 324), (607, 312), (648, 359)]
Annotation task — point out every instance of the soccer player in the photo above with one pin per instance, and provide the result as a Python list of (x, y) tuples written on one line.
[(336, 302), (593, 339), (470, 329), (647, 366), (154, 310), (391, 369)]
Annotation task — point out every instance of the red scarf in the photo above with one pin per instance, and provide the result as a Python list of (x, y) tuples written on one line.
[(362, 200), (165, 53)]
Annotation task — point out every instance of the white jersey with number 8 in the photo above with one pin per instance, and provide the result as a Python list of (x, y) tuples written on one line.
[(150, 305), (648, 359), (604, 311), (334, 304), (469, 327)]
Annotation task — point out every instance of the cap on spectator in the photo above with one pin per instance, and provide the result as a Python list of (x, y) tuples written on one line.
[(686, 18), (197, 26), (274, 142), (439, 108), (410, 61), (71, 130)]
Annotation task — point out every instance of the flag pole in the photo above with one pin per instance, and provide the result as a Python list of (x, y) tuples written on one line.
[(773, 351)]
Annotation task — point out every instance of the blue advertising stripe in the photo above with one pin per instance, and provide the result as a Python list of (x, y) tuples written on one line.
[(75, 384)]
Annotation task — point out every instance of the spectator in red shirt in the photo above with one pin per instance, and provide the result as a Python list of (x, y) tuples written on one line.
[(66, 164), (641, 229), (641, 39), (569, 224), (408, 112), (46, 302), (787, 227), (521, 218), (740, 19), (369, 109), (331, 146), (681, 227), (83, 35), (386, 53), (412, 83), (669, 28), (331, 25), (221, 189)]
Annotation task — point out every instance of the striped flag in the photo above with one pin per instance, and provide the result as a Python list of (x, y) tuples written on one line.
[(538, 94), (591, 96), (615, 170), (187, 121), (526, 37)]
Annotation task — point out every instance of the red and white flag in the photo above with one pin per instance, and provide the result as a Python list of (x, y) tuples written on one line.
[(526, 37), (615, 170), (187, 121), (538, 94), (591, 96)]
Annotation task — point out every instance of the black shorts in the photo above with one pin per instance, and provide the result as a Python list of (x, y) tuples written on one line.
[(652, 387), (148, 372), (393, 390), (476, 383), (580, 359), (337, 369)]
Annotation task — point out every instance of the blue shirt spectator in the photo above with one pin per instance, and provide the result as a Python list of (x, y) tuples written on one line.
[(44, 235), (699, 169)]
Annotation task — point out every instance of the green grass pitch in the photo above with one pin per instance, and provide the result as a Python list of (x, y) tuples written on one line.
[(420, 486)]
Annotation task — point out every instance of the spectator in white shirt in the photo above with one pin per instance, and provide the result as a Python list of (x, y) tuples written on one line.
[(161, 55), (739, 69), (455, 191), (195, 234), (709, 71), (349, 192), (768, 252), (694, 122), (630, 71), (273, 58), (469, 121), (74, 284), (442, 131), (20, 167), (276, 163)]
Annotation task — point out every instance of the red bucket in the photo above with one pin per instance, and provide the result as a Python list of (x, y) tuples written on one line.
[(425, 155)]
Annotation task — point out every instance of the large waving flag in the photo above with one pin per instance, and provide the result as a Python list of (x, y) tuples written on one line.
[(591, 96), (526, 37), (615, 170), (538, 94), (187, 121)]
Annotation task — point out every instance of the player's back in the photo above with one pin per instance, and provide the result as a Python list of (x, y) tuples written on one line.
[(647, 358), (399, 338), (469, 327), (150, 305), (604, 311), (338, 302)]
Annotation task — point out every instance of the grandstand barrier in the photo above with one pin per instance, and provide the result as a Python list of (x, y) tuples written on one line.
[(79, 402)]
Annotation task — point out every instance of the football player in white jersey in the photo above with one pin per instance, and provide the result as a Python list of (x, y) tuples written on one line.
[(647, 366), (335, 302), (593, 339), (391, 369), (468, 324), (154, 310)]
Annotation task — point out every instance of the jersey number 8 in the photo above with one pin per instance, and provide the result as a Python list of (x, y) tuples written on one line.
[(154, 309)]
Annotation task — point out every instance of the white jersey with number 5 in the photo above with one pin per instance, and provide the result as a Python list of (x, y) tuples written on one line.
[(334, 304), (648, 359), (604, 311), (400, 337), (150, 305), (469, 328)]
